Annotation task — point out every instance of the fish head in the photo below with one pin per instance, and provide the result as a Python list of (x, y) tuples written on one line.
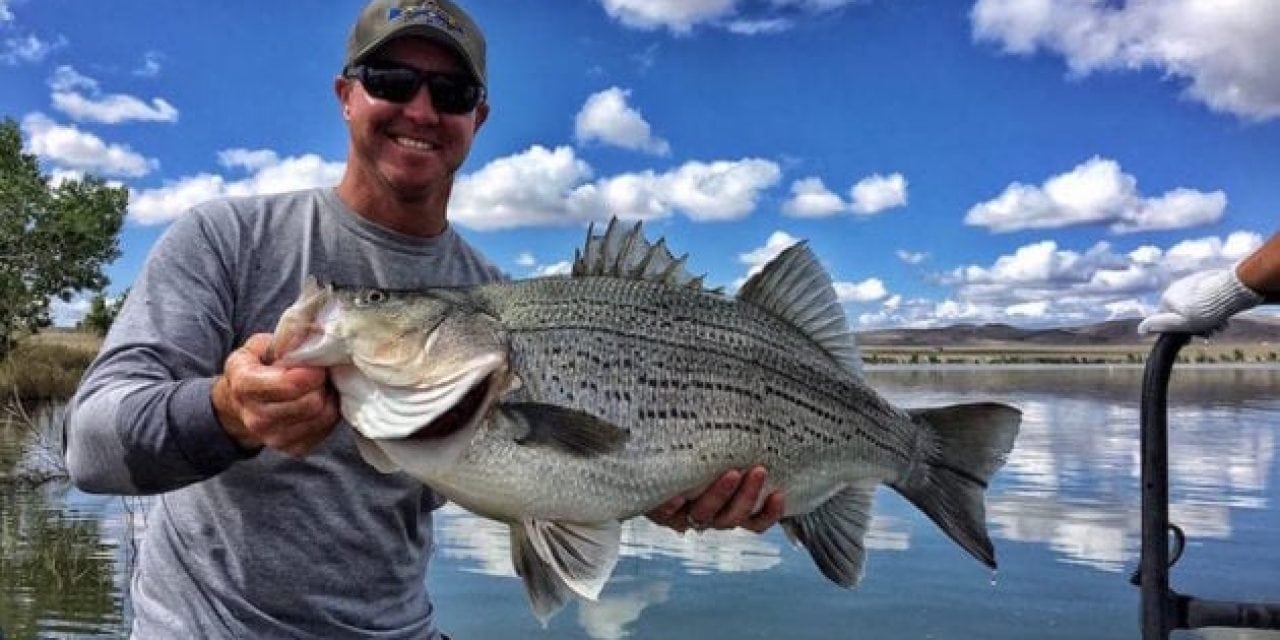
[(307, 332), (422, 366)]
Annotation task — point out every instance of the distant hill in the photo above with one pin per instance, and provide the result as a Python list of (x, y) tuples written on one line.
[(1112, 332)]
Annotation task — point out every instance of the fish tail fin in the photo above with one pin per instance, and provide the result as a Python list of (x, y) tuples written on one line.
[(972, 442)]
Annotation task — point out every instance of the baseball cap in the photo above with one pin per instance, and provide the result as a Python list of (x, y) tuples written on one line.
[(442, 21)]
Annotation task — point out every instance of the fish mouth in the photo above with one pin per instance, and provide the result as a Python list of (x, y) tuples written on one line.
[(461, 415)]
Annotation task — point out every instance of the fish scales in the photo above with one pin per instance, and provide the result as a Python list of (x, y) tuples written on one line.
[(705, 375), (563, 405)]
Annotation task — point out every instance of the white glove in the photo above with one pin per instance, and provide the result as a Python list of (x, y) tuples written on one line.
[(1201, 303)]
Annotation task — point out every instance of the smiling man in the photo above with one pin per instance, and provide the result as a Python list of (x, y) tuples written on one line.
[(268, 524)]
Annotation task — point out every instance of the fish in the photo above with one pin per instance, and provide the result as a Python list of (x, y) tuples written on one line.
[(564, 405)]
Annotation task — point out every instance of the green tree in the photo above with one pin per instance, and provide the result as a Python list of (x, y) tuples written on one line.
[(54, 240), (102, 312)]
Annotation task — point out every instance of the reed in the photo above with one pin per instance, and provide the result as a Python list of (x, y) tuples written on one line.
[(46, 368)]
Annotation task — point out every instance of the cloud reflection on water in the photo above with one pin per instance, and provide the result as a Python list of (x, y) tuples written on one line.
[(1072, 481)]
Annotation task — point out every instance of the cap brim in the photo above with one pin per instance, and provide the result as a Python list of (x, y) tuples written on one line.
[(426, 32)]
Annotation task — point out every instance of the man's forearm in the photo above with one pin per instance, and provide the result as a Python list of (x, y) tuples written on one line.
[(1261, 270)]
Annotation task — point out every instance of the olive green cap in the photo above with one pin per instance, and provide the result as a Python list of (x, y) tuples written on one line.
[(442, 21)]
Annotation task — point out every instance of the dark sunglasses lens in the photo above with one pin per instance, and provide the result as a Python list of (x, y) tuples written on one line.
[(453, 94), (450, 93), (394, 85)]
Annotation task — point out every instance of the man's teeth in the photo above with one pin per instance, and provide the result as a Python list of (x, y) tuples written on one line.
[(414, 144)]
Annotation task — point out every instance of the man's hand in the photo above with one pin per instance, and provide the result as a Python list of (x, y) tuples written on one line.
[(728, 503), (292, 410), (1201, 303)]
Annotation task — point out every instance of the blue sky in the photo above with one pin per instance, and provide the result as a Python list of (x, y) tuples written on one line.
[(1036, 162)]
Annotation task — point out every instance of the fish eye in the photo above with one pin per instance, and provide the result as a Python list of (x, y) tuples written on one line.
[(376, 296)]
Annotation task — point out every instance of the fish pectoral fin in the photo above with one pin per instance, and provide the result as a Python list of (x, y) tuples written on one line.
[(572, 431), (833, 533), (581, 555), (376, 457), (547, 593)]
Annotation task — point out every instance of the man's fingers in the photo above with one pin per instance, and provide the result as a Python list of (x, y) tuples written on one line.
[(702, 513), (253, 381), (257, 344), (666, 512), (743, 501), (292, 410), (1163, 323), (769, 515)]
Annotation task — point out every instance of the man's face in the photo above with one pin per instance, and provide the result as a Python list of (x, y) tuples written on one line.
[(410, 148)]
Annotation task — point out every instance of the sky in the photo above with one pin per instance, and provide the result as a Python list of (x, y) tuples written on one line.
[(1030, 162)]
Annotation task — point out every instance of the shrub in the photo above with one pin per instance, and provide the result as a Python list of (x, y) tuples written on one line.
[(39, 371)]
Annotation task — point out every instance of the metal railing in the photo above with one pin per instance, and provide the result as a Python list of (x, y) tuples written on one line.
[(1163, 609)]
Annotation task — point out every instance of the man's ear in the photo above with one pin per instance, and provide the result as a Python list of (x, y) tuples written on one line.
[(342, 90), (482, 114)]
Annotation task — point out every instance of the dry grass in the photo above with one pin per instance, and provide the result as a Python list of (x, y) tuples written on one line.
[(47, 366)]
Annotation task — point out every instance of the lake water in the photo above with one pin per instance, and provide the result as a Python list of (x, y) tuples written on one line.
[(1064, 515)]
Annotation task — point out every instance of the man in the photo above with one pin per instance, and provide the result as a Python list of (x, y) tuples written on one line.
[(1203, 302), (268, 524)]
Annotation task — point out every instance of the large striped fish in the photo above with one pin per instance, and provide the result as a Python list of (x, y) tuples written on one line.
[(563, 405)]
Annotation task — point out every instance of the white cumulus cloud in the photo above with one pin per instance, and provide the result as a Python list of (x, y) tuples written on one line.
[(249, 159), (1225, 53), (163, 204), (1096, 191), (757, 258), (67, 85), (542, 186), (877, 193), (679, 16), (810, 197), (73, 149), (741, 17), (869, 290), (606, 117), (1044, 284)]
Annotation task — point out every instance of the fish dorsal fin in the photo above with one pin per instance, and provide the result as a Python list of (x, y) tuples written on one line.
[(795, 288), (625, 253)]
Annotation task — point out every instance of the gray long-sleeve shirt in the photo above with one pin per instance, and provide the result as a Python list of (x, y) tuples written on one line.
[(266, 545)]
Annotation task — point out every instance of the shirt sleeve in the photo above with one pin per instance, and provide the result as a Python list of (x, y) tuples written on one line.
[(142, 420)]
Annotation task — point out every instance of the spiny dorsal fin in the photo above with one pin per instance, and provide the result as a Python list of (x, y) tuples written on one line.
[(625, 253), (795, 287)]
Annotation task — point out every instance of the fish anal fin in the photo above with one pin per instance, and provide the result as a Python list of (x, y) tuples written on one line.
[(575, 432), (797, 289), (833, 533), (546, 592), (581, 555)]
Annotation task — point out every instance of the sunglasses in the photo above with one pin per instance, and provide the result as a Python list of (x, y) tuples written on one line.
[(452, 93)]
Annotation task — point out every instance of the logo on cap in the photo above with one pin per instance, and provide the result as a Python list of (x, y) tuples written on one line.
[(429, 13)]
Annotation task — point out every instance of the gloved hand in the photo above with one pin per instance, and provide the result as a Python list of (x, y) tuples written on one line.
[(1201, 303)]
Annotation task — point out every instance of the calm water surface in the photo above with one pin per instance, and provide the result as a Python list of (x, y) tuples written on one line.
[(1064, 514)]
